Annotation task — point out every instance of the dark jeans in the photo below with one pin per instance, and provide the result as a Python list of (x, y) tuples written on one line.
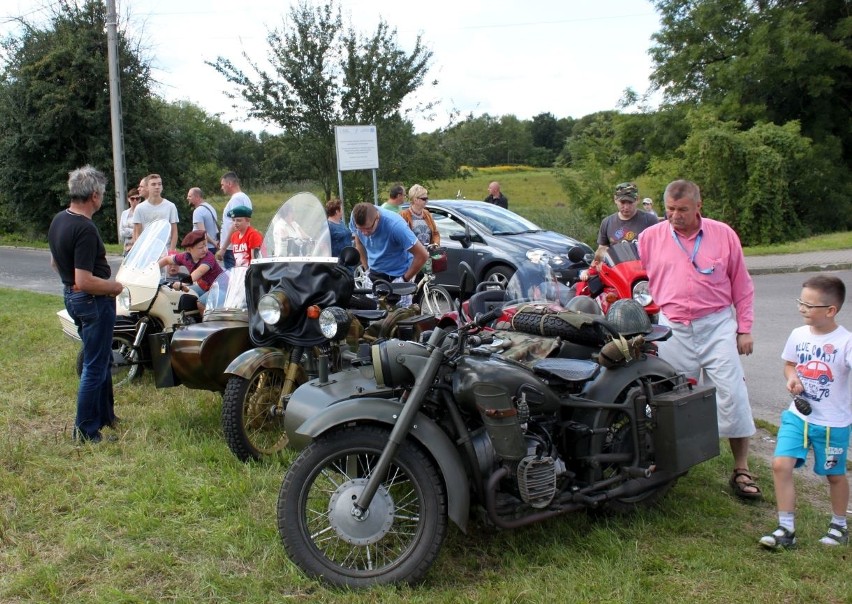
[(228, 260), (95, 320)]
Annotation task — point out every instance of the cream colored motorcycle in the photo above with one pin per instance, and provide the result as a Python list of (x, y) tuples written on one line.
[(147, 311)]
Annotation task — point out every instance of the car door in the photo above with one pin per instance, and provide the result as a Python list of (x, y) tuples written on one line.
[(449, 225)]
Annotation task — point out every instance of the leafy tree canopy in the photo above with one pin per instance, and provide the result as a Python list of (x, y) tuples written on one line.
[(324, 74)]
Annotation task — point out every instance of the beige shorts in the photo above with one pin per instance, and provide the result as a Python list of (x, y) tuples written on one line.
[(707, 348)]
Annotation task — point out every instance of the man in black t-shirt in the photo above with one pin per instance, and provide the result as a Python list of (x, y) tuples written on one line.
[(78, 255)]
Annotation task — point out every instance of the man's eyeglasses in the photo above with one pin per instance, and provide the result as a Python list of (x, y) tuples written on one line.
[(811, 306), (368, 229)]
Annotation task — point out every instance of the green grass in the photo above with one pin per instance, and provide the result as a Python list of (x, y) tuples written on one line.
[(168, 514)]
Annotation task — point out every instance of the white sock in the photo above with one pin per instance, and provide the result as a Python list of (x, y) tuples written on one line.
[(838, 520), (787, 520)]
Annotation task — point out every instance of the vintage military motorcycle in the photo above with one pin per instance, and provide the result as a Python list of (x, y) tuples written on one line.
[(196, 355), (147, 306), (421, 432)]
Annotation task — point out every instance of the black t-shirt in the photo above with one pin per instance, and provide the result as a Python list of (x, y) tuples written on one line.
[(75, 242)]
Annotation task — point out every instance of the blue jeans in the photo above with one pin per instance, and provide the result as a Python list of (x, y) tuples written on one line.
[(95, 320)]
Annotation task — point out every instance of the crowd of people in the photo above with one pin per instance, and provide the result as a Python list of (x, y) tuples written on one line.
[(697, 276)]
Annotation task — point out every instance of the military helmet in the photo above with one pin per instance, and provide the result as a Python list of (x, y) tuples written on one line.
[(629, 317), (584, 304)]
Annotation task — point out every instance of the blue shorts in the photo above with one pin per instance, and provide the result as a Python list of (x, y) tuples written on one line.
[(796, 436)]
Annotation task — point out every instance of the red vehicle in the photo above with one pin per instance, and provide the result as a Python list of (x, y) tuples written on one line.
[(815, 370), (619, 276)]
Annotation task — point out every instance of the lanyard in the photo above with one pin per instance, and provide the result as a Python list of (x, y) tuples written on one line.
[(703, 271)]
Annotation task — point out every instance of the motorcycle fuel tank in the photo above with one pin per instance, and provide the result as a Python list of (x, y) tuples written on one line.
[(515, 378)]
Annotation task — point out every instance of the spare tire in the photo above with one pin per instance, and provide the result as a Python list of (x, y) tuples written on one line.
[(553, 325)]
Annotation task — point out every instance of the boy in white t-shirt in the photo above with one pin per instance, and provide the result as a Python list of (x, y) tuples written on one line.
[(817, 362)]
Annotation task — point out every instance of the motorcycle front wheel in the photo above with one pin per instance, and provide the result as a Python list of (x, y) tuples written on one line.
[(399, 536), (251, 421), (125, 367)]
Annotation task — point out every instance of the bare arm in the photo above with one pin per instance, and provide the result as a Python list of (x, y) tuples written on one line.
[(361, 252), (85, 281), (173, 241), (137, 230), (420, 258), (794, 384)]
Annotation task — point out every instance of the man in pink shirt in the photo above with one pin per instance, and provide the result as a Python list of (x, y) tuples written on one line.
[(697, 274)]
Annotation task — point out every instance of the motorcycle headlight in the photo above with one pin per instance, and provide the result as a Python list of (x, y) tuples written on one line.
[(642, 293), (273, 307), (124, 299), (387, 365), (334, 322)]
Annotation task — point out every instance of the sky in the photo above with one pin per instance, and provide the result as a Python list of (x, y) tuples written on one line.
[(501, 57)]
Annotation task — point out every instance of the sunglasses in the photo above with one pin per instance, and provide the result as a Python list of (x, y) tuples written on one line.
[(423, 198), (135, 198)]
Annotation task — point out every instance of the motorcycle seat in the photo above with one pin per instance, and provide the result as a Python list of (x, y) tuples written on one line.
[(369, 315), (567, 370)]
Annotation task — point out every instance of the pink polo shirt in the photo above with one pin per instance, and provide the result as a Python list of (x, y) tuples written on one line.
[(683, 293)]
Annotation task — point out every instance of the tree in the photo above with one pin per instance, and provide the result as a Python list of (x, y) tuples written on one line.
[(55, 114), (324, 75), (760, 60)]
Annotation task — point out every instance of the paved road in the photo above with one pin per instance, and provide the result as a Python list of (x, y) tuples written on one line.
[(775, 312)]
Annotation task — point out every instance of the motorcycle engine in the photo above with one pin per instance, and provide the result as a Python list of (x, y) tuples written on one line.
[(534, 475)]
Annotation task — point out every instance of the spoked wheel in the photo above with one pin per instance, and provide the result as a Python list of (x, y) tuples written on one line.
[(399, 536), (437, 301), (125, 366), (252, 424), (618, 439)]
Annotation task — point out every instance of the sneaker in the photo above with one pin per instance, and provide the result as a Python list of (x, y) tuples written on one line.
[(780, 538), (836, 535)]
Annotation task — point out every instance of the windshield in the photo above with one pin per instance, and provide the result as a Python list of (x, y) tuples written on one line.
[(228, 292), (497, 220), (150, 247), (536, 282), (299, 230), (623, 251)]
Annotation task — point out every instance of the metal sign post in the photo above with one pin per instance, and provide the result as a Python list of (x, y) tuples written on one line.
[(357, 149)]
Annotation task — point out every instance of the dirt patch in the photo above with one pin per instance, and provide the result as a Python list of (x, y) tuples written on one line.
[(809, 486)]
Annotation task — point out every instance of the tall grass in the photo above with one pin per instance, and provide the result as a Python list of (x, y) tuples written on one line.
[(167, 514)]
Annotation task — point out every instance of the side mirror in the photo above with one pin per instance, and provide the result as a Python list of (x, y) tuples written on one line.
[(349, 256)]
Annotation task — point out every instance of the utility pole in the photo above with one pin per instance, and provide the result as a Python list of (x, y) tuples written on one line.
[(115, 116)]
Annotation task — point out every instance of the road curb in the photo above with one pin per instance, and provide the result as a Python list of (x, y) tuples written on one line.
[(802, 268)]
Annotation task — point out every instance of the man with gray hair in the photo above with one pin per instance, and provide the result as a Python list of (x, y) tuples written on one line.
[(77, 253)]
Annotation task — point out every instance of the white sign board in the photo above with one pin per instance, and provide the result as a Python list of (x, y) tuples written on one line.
[(357, 148)]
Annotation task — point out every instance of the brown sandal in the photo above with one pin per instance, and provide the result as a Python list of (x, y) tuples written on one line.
[(739, 486)]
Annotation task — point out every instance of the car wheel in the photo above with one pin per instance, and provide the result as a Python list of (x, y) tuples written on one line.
[(499, 274)]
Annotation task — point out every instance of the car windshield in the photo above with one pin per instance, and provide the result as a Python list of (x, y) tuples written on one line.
[(497, 221), (299, 230)]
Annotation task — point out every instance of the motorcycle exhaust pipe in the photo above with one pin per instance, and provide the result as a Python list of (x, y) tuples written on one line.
[(501, 421)]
